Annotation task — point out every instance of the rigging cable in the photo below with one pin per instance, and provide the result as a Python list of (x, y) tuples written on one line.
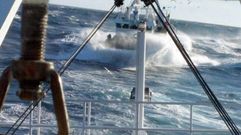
[(75, 54), (32, 106), (218, 106)]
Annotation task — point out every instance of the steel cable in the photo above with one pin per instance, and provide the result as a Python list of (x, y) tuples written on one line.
[(74, 55), (218, 106), (208, 91), (61, 70)]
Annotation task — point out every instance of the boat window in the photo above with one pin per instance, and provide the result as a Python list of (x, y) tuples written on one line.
[(133, 27), (118, 25), (126, 26)]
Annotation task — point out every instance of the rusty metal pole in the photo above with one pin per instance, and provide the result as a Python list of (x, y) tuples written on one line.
[(31, 69), (5, 80), (33, 34)]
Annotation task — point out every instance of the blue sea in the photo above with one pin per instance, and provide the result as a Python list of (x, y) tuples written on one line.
[(101, 72)]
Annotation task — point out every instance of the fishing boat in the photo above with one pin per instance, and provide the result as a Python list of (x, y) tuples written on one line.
[(104, 99), (128, 21), (129, 18)]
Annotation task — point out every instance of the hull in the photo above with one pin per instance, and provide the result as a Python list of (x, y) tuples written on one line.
[(8, 9)]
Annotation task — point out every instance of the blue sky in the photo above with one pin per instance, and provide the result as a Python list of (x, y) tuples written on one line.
[(208, 11)]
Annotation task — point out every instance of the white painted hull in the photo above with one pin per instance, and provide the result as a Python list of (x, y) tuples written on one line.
[(8, 9)]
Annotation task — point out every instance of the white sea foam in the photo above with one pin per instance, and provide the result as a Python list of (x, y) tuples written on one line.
[(223, 50), (11, 110), (161, 51)]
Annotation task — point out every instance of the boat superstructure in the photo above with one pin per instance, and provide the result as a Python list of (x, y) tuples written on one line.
[(129, 18)]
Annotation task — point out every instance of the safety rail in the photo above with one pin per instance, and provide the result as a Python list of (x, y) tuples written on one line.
[(86, 126)]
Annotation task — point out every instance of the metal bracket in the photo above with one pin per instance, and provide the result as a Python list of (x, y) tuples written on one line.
[(148, 2), (119, 3)]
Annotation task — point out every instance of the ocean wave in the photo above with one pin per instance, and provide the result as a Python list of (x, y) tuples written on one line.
[(161, 51)]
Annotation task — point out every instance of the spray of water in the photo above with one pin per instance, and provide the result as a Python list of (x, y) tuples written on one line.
[(161, 51)]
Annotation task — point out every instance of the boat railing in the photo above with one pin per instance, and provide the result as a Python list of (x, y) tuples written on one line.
[(34, 125)]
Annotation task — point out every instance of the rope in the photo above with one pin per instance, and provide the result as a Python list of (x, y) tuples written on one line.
[(18, 119), (62, 69), (24, 118), (75, 54), (218, 106), (30, 109)]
